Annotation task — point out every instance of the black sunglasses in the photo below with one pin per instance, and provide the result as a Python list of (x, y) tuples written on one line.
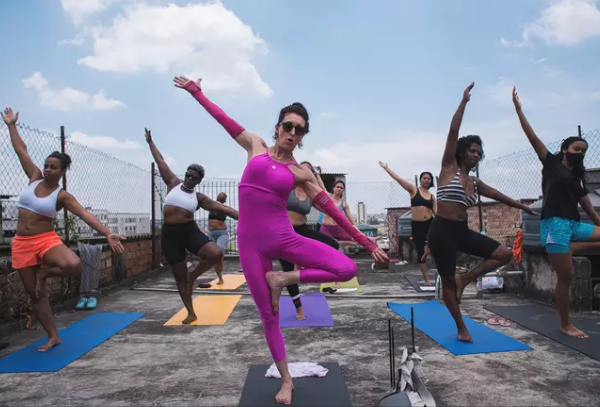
[(288, 126)]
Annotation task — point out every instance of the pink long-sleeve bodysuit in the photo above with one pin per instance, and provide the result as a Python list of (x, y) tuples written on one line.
[(265, 233)]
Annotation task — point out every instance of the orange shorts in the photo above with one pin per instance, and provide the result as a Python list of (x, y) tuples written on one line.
[(28, 251)]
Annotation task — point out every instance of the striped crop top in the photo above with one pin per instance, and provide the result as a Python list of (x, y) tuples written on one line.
[(455, 192)]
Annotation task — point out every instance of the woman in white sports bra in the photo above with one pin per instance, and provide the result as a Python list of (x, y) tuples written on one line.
[(36, 243), (449, 233), (180, 231)]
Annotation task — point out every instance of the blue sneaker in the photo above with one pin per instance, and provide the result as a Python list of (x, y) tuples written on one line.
[(82, 303), (92, 303)]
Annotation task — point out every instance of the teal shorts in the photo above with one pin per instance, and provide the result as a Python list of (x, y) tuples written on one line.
[(557, 233)]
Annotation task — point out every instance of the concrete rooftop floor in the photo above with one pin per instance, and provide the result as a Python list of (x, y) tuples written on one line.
[(148, 364)]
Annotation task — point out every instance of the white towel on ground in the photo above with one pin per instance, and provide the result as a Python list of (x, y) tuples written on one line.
[(299, 369)]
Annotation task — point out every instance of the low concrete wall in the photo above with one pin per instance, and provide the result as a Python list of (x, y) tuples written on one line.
[(538, 280), (114, 267)]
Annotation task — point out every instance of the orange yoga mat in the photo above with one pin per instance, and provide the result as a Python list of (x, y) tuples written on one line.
[(232, 282), (210, 310)]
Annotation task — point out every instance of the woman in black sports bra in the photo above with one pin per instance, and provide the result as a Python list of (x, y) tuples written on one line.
[(449, 232), (424, 207)]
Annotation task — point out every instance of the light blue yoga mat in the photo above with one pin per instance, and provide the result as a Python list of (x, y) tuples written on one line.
[(435, 321), (77, 340)]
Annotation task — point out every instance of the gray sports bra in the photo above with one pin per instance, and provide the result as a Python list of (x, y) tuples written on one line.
[(296, 205)]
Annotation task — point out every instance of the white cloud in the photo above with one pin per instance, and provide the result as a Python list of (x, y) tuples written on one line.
[(69, 99), (328, 115), (539, 61), (103, 142), (78, 40), (501, 92), (199, 40), (78, 10), (565, 22)]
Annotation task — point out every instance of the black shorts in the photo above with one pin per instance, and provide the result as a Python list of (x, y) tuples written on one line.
[(176, 238), (447, 237), (419, 235)]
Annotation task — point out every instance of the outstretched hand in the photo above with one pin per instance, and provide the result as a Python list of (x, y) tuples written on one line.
[(9, 117), (380, 256), (383, 165), (530, 211), (182, 81), (467, 92), (114, 241), (148, 136), (515, 98)]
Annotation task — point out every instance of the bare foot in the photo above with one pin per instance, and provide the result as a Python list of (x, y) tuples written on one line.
[(285, 394), (427, 282), (464, 335), (275, 283), (221, 282), (50, 343), (460, 287), (190, 318), (337, 285), (574, 332), (300, 314)]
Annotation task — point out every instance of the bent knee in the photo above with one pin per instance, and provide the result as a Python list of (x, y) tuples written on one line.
[(348, 272), (503, 254), (72, 266), (213, 253)]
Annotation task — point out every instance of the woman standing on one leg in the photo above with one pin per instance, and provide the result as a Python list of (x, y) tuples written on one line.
[(265, 232), (298, 207), (424, 207), (217, 231), (180, 231), (36, 243), (449, 233), (561, 229), (328, 225)]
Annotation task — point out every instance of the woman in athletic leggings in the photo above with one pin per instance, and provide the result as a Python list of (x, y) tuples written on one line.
[(449, 233), (424, 207), (36, 243), (264, 230), (298, 207), (328, 225), (180, 231), (217, 232), (561, 229)]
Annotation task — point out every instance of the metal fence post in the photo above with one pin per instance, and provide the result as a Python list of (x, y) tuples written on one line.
[(479, 204), (579, 130), (64, 182), (153, 215)]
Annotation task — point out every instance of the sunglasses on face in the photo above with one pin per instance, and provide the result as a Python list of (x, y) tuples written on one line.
[(191, 175), (288, 126)]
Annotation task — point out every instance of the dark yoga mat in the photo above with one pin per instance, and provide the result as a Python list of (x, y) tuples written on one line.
[(546, 321), (77, 340), (418, 281), (325, 391), (434, 320), (316, 311)]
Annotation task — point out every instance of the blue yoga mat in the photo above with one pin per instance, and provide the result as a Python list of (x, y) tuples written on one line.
[(77, 340), (435, 321)]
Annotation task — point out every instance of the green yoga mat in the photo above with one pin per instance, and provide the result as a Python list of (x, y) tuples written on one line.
[(346, 284)]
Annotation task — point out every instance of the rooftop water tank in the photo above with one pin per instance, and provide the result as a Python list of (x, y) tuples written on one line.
[(404, 226), (531, 223)]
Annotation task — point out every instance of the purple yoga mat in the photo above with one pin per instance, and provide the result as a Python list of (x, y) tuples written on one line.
[(315, 307)]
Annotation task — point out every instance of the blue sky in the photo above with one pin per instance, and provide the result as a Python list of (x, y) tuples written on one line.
[(381, 79)]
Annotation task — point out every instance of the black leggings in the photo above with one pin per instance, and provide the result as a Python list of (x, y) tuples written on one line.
[(420, 229), (304, 230), (448, 237), (176, 238)]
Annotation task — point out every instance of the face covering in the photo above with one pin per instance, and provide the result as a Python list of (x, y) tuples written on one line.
[(575, 159)]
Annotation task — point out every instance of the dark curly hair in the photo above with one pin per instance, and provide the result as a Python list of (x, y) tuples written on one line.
[(463, 145), (297, 108), (578, 171), (65, 159)]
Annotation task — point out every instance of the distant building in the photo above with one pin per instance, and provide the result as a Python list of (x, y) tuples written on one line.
[(361, 213)]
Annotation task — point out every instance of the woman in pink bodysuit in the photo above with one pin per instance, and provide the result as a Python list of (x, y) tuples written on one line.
[(264, 229)]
